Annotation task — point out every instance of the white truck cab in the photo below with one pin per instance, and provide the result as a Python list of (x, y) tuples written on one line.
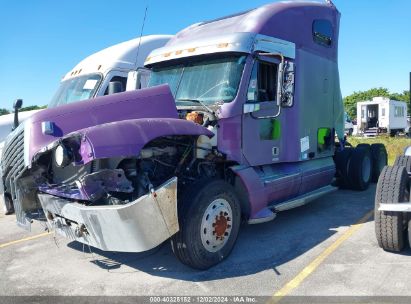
[(112, 70), (108, 71)]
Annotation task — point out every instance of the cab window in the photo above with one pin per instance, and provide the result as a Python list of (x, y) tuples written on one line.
[(323, 32), (263, 82)]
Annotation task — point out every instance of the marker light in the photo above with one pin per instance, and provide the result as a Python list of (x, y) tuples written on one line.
[(222, 45)]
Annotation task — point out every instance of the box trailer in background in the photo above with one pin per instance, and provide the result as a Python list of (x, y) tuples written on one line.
[(112, 70), (381, 115)]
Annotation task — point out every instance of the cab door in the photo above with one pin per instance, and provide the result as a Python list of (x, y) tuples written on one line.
[(264, 141), (261, 134)]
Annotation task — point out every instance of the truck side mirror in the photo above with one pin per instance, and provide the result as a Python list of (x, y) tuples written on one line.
[(18, 104), (115, 87), (132, 81), (137, 79), (285, 84)]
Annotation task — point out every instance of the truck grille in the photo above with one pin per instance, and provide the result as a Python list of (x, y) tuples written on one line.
[(13, 167)]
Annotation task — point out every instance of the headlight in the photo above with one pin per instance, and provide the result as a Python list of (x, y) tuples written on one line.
[(62, 156)]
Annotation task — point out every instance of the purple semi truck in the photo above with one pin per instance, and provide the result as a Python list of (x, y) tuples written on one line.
[(238, 123)]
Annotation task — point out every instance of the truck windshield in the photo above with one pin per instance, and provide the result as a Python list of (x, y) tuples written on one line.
[(206, 80), (76, 89)]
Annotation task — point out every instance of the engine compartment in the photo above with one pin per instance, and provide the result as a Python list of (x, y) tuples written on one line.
[(121, 180)]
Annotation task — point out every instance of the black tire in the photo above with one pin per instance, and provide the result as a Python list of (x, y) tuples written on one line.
[(379, 160), (342, 160), (360, 169), (8, 205), (405, 161), (364, 146), (189, 244), (389, 225)]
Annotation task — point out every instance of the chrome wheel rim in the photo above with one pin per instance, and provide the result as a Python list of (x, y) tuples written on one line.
[(216, 225)]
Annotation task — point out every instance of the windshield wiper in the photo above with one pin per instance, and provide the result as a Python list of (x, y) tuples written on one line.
[(197, 101)]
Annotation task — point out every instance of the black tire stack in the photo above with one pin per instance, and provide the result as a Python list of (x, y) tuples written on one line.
[(393, 187), (358, 167)]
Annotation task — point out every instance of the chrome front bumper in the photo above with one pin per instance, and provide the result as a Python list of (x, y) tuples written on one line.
[(137, 226)]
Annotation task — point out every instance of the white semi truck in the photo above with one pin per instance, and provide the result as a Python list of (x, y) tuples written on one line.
[(112, 70)]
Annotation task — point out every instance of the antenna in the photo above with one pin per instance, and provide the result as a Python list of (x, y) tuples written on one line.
[(141, 33)]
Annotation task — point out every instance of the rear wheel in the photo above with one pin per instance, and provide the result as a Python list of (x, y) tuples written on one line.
[(390, 226), (209, 220), (359, 169), (393, 133), (379, 160), (342, 160)]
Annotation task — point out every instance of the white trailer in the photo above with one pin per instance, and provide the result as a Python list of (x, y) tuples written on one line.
[(381, 115)]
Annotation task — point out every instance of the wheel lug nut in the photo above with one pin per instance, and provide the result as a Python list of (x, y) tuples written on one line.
[(228, 219), (225, 213), (228, 226), (213, 225), (225, 233), (213, 232), (221, 213)]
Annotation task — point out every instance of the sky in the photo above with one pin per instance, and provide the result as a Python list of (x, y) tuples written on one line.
[(41, 40)]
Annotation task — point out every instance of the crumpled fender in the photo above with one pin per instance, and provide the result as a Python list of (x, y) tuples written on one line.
[(126, 138)]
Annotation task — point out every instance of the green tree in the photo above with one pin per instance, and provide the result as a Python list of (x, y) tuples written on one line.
[(4, 111), (29, 108)]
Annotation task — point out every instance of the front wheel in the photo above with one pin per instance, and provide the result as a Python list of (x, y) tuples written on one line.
[(209, 218)]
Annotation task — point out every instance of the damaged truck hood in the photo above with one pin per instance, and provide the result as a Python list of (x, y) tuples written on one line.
[(151, 104)]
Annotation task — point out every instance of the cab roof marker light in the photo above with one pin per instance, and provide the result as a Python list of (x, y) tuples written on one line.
[(191, 50), (179, 52), (167, 54), (222, 45)]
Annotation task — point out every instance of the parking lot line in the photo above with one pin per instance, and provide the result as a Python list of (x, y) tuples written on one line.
[(299, 278), (24, 239)]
